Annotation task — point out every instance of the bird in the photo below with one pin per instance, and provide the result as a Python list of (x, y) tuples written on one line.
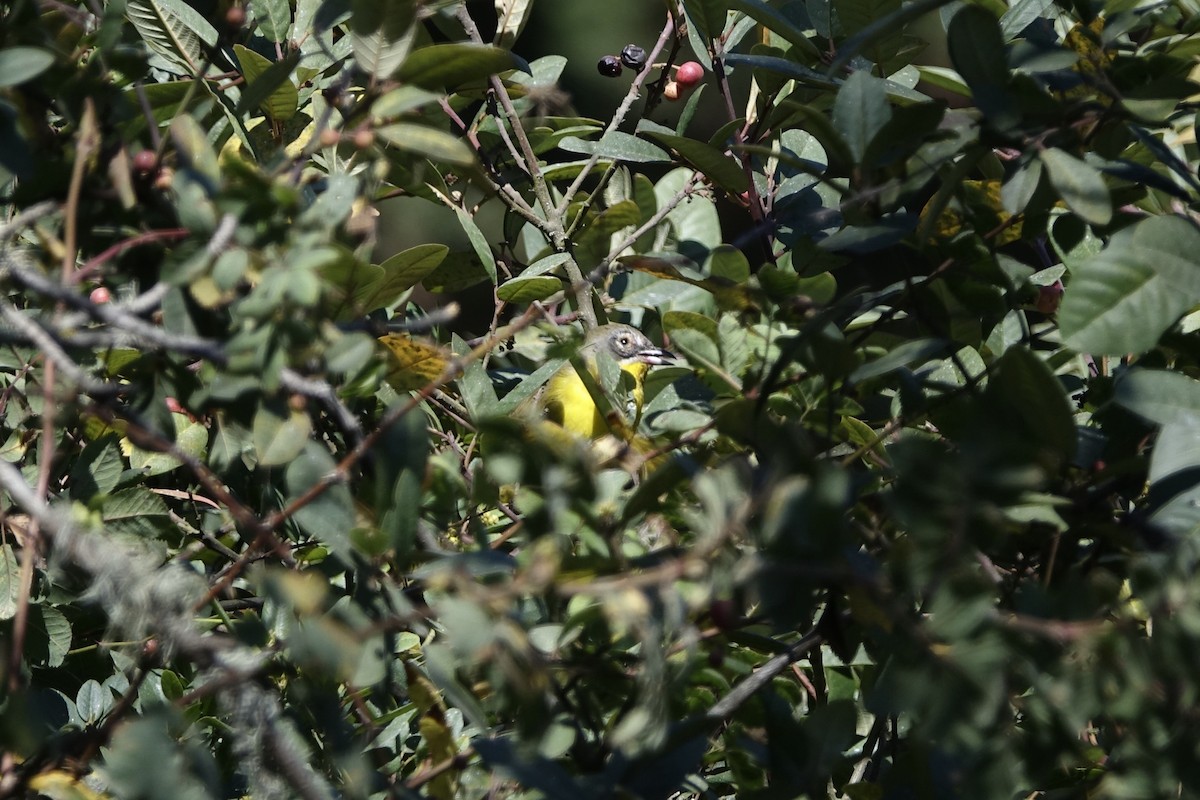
[(567, 400)]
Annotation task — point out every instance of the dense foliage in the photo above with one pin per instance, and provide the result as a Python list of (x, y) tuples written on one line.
[(914, 515)]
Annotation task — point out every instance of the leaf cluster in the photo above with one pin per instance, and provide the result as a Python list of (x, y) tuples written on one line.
[(913, 514)]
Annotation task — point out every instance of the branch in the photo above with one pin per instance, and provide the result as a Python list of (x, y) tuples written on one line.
[(764, 675)]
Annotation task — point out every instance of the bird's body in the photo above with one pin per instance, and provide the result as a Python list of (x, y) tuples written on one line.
[(567, 399)]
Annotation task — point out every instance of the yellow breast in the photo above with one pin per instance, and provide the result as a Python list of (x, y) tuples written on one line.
[(569, 403)]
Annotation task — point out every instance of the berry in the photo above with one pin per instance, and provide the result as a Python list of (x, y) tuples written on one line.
[(689, 74), (671, 90), (633, 57), (330, 137), (235, 17), (724, 614), (1050, 297), (100, 295), (164, 179), (364, 138), (145, 162), (609, 66)]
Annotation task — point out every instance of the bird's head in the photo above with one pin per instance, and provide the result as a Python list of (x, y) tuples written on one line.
[(628, 346)]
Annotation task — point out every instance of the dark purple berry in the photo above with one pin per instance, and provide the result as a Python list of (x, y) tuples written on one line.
[(609, 66), (633, 57)]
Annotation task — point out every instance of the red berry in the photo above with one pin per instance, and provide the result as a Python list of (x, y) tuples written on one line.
[(716, 657), (235, 17), (724, 614), (364, 138), (689, 74), (100, 295), (145, 162), (1049, 297)]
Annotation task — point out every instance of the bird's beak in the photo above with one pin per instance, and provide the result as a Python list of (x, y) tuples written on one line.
[(655, 356)]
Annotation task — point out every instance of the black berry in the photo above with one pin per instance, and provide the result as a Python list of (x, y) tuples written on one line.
[(633, 57), (609, 66)]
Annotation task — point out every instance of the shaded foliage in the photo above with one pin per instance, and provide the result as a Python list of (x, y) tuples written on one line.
[(913, 516)]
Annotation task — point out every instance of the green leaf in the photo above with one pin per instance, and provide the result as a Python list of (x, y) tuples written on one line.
[(479, 242), (791, 70), (173, 30), (329, 517), (400, 454), (511, 16), (523, 290), (137, 512), (10, 581), (191, 437), (279, 434), (1020, 15), (400, 273), (619, 146), (1018, 190), (49, 636), (708, 16), (860, 111), (1122, 300), (21, 64), (97, 469), (478, 394), (915, 351), (273, 17), (382, 33), (332, 206), (778, 23), (1079, 184), (1025, 390), (448, 66), (818, 125), (458, 271), (92, 701), (978, 52), (880, 26), (719, 168), (269, 84), (428, 142), (1174, 477)]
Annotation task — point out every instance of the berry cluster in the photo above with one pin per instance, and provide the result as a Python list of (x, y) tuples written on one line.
[(632, 56), (687, 75)]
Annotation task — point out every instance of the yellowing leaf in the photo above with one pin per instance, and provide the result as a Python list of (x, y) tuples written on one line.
[(730, 295), (981, 206), (415, 363)]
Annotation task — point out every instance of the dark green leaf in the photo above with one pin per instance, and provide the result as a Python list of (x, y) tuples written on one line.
[(21, 64), (269, 85), (1159, 396), (1079, 184), (449, 66), (860, 112), (722, 170), (330, 516)]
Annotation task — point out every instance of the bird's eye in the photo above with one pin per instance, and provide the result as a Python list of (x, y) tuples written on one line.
[(625, 340)]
